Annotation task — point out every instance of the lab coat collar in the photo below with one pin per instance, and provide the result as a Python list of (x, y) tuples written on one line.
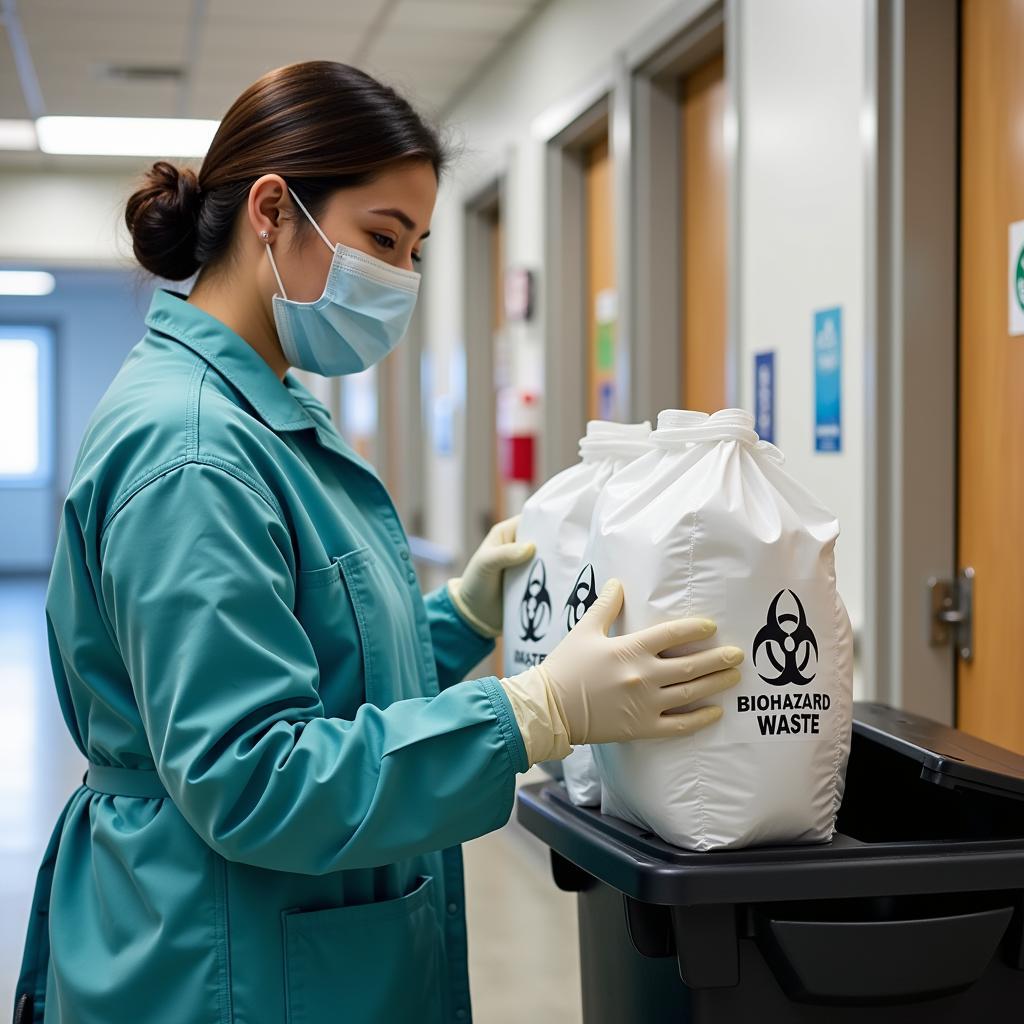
[(233, 357), (326, 434)]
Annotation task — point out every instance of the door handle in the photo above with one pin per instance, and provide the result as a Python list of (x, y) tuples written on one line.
[(951, 619)]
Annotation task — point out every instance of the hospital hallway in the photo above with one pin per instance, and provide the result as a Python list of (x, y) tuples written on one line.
[(590, 432), (520, 926)]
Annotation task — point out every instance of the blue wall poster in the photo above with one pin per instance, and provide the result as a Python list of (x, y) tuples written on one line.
[(764, 395), (828, 380)]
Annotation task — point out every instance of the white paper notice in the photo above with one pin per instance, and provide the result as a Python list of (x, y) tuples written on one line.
[(1017, 278)]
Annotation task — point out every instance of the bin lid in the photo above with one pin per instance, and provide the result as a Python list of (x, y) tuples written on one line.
[(948, 757), (644, 867)]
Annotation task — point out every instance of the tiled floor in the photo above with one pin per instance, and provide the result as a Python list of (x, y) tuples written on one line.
[(523, 963), (39, 765), (523, 940)]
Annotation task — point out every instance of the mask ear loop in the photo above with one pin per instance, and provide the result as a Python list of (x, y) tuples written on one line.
[(319, 231), (273, 266)]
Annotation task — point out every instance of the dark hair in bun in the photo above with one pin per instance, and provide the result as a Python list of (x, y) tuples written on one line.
[(321, 125), (162, 216)]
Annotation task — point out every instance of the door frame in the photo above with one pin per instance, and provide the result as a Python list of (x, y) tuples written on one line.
[(652, 260), (402, 434), (627, 100), (567, 130), (912, 154), (479, 445)]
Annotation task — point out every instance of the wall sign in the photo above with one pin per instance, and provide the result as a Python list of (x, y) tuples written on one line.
[(443, 426), (604, 355), (828, 380), (1017, 279), (764, 395), (518, 294)]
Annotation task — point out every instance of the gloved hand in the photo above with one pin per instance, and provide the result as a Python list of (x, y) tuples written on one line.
[(477, 593), (593, 688)]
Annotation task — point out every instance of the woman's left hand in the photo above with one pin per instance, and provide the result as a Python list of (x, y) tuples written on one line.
[(477, 593)]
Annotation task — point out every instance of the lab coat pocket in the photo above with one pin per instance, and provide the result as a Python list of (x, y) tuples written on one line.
[(366, 964), (327, 614), (392, 656)]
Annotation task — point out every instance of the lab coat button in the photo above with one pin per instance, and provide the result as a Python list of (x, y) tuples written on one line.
[(460, 1014), (405, 554), (412, 577), (452, 908)]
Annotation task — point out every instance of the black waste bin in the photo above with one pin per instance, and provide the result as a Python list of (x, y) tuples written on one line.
[(913, 913)]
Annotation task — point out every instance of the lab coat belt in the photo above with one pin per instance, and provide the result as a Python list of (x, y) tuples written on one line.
[(35, 965), (117, 781)]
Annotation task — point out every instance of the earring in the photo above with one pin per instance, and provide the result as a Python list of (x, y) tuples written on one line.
[(265, 236)]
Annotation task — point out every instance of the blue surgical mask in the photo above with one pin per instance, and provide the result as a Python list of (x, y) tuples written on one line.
[(361, 316)]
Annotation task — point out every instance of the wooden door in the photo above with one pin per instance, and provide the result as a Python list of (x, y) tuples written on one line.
[(703, 293), (990, 688), (599, 261)]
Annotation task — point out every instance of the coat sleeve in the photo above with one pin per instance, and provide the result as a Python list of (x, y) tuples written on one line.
[(197, 579), (457, 645)]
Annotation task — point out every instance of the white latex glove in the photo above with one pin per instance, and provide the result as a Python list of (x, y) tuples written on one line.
[(593, 688), (477, 593)]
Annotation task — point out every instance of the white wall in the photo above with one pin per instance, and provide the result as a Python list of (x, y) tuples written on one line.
[(802, 237), (569, 46), (97, 317), (802, 188), (64, 217)]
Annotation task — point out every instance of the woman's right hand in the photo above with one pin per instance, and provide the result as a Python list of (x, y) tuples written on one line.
[(614, 689)]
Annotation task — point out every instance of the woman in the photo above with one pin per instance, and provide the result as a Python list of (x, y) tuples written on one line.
[(282, 758)]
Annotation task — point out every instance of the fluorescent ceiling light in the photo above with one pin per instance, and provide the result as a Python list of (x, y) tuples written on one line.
[(125, 136), (17, 135), (26, 282)]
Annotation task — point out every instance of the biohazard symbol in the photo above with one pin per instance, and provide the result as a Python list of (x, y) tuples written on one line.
[(581, 597), (788, 644), (535, 607)]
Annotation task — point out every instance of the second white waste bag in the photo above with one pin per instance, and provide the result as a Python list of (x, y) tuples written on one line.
[(716, 528), (581, 774), (540, 595)]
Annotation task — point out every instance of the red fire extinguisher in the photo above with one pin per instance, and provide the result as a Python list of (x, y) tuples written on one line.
[(518, 416)]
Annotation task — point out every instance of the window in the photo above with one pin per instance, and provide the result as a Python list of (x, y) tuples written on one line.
[(26, 405)]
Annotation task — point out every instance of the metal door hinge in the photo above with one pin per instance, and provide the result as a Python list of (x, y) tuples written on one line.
[(951, 619)]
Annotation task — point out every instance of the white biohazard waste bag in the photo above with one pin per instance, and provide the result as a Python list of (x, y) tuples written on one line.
[(579, 769), (711, 525), (538, 594)]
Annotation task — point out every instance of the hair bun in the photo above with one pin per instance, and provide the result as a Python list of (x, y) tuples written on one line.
[(162, 217)]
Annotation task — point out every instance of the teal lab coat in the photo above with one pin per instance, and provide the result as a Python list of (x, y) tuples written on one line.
[(284, 759)]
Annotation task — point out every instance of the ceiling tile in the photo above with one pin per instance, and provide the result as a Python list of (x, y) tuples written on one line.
[(113, 100), (12, 100), (424, 48), (250, 46), (426, 75), (524, 5), (71, 53), (307, 14), (140, 12), (430, 102), (211, 101), (428, 48), (427, 93), (107, 35), (455, 16)]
